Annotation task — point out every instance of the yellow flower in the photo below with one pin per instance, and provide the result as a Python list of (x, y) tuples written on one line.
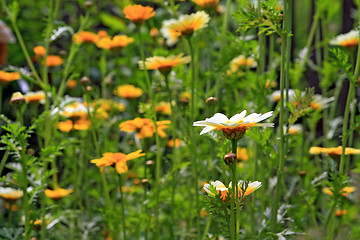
[(117, 159), (164, 64), (6, 77), (39, 51), (348, 40), (345, 191), (186, 25), (206, 3), (236, 126), (57, 193), (53, 61), (241, 62), (118, 42), (80, 124), (138, 14), (10, 194), (74, 111), (144, 127), (35, 97), (219, 187), (128, 91), (252, 186), (85, 37), (163, 108), (170, 143), (242, 154), (333, 151)]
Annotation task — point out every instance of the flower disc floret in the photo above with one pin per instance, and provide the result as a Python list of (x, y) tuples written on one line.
[(236, 126)]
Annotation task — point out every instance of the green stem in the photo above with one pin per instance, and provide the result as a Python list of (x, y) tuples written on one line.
[(109, 205), (122, 206), (281, 130), (103, 73), (204, 237), (3, 161), (1, 96), (236, 189)]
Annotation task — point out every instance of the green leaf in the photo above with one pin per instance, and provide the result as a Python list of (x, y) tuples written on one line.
[(112, 22)]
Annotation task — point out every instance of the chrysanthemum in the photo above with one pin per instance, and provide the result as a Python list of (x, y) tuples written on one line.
[(117, 159), (170, 143), (163, 108), (164, 64), (71, 83), (128, 91), (348, 40), (57, 193), (6, 77), (144, 127), (138, 14), (35, 97), (337, 151), (85, 37), (74, 111), (219, 187), (251, 187), (186, 25), (68, 125), (236, 126), (345, 191), (10, 194), (117, 42), (241, 62), (54, 61), (275, 96), (294, 129), (206, 3), (242, 154), (319, 102), (39, 51)]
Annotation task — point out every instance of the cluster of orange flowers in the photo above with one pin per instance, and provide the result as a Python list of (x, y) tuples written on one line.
[(145, 127), (77, 115)]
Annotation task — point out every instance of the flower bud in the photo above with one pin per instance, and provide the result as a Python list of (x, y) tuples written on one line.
[(17, 99), (85, 81), (302, 173), (89, 88), (149, 162), (211, 101), (230, 158), (88, 4)]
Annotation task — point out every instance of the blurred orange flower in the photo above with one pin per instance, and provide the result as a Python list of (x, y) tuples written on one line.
[(117, 42), (138, 14), (39, 51), (85, 37), (333, 151), (128, 91), (57, 193), (6, 77), (35, 97), (144, 127), (206, 3), (345, 191), (54, 61), (164, 64)]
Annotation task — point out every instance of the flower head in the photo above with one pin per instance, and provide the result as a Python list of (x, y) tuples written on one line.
[(74, 111), (337, 151), (347, 40), (138, 14), (6, 77), (10, 194), (117, 42), (128, 91), (206, 3), (319, 102), (35, 97), (117, 159), (345, 191), (164, 64), (236, 126), (144, 127), (185, 26), (54, 61), (68, 125), (57, 193), (241, 62), (39, 51), (85, 37)]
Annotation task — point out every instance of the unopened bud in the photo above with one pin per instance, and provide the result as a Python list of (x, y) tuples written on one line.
[(229, 158), (184, 101), (89, 88), (149, 162), (88, 4), (85, 81), (211, 101), (358, 81), (302, 173), (62, 52), (17, 99), (145, 181)]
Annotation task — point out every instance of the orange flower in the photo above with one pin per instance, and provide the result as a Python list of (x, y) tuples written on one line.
[(154, 32), (333, 151), (164, 64), (54, 61), (345, 191), (71, 84), (242, 154), (242, 62), (170, 143), (144, 127), (39, 51), (10, 194), (35, 97), (348, 40), (128, 91), (340, 212), (186, 25), (163, 108), (118, 42), (74, 111), (102, 34), (85, 37), (117, 159), (67, 126), (138, 14), (6, 77), (206, 3), (57, 193)]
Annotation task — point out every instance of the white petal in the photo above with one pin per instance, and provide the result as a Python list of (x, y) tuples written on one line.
[(206, 130), (264, 125), (251, 117), (238, 117), (218, 118), (264, 116)]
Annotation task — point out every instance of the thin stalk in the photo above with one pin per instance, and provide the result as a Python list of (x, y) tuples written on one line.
[(236, 189), (3, 161), (281, 129), (122, 206), (157, 139), (103, 73), (109, 205), (204, 237), (1, 95), (226, 18)]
